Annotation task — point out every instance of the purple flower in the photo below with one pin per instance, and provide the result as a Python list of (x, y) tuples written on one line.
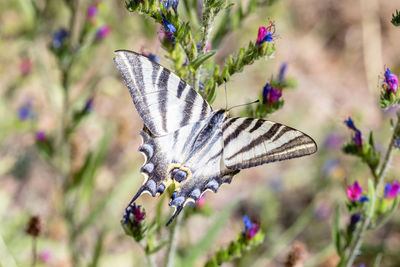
[(92, 12), (88, 105), (152, 57), (250, 228), (364, 199), (282, 72), (40, 136), (136, 212), (26, 112), (170, 3), (334, 141), (357, 138), (354, 219), (392, 190), (271, 94), (265, 34), (354, 191), (103, 32), (59, 37), (391, 80)]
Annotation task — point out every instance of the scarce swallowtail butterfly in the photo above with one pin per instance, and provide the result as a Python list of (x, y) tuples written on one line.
[(187, 143)]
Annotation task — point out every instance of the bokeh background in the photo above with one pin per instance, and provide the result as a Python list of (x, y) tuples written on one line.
[(335, 50)]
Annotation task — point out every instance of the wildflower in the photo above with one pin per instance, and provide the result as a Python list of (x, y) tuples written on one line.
[(334, 141), (132, 221), (282, 72), (354, 191), (25, 66), (26, 112), (265, 34), (92, 12), (103, 32), (59, 37), (391, 81), (40, 136), (271, 94), (250, 228), (354, 219), (392, 190), (201, 201), (45, 256), (135, 211), (170, 3), (34, 226), (357, 138), (364, 199), (88, 105), (168, 26), (208, 46), (152, 57)]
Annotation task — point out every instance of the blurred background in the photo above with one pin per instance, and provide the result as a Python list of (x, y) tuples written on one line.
[(335, 50)]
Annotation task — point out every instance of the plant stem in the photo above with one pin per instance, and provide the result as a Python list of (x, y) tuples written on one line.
[(34, 251), (366, 220), (174, 237)]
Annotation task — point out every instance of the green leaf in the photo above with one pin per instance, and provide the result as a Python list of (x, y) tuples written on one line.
[(336, 232), (209, 238), (389, 214), (98, 249), (201, 59)]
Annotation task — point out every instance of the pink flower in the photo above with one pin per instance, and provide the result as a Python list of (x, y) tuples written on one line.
[(201, 201), (391, 80), (103, 32), (392, 190), (265, 34), (45, 255), (25, 66), (354, 191)]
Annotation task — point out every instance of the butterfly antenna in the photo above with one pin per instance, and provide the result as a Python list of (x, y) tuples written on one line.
[(226, 96), (256, 101)]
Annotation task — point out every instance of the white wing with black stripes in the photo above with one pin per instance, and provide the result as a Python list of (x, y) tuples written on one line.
[(252, 142), (186, 143), (164, 101)]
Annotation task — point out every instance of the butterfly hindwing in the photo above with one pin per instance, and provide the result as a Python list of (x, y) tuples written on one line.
[(252, 142), (163, 100)]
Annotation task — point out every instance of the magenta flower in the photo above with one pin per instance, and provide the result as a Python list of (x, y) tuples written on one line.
[(391, 80), (92, 12), (357, 137), (138, 215), (45, 256), (354, 191), (103, 32), (250, 228), (392, 190), (40, 136), (271, 94), (25, 66), (265, 34), (201, 201)]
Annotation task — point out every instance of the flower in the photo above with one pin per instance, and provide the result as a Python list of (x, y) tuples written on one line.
[(92, 12), (25, 66), (170, 3), (364, 199), (354, 219), (201, 201), (34, 226), (357, 138), (354, 191), (250, 228), (392, 190), (88, 105), (152, 57), (271, 94), (40, 136), (59, 37), (168, 26), (265, 34), (26, 112), (135, 211), (103, 32), (45, 255), (133, 221), (282, 72), (208, 46), (391, 81), (334, 141)]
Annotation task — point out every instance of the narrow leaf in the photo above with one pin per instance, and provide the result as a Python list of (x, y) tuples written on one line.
[(201, 59)]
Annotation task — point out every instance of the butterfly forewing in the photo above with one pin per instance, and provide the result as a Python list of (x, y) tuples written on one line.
[(164, 101), (252, 142)]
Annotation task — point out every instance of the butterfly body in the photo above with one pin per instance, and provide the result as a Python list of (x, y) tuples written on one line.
[(186, 143)]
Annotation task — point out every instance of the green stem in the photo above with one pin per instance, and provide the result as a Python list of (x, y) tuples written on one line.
[(366, 220), (174, 238), (34, 251)]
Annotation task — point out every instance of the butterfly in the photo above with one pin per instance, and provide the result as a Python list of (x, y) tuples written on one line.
[(187, 143)]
